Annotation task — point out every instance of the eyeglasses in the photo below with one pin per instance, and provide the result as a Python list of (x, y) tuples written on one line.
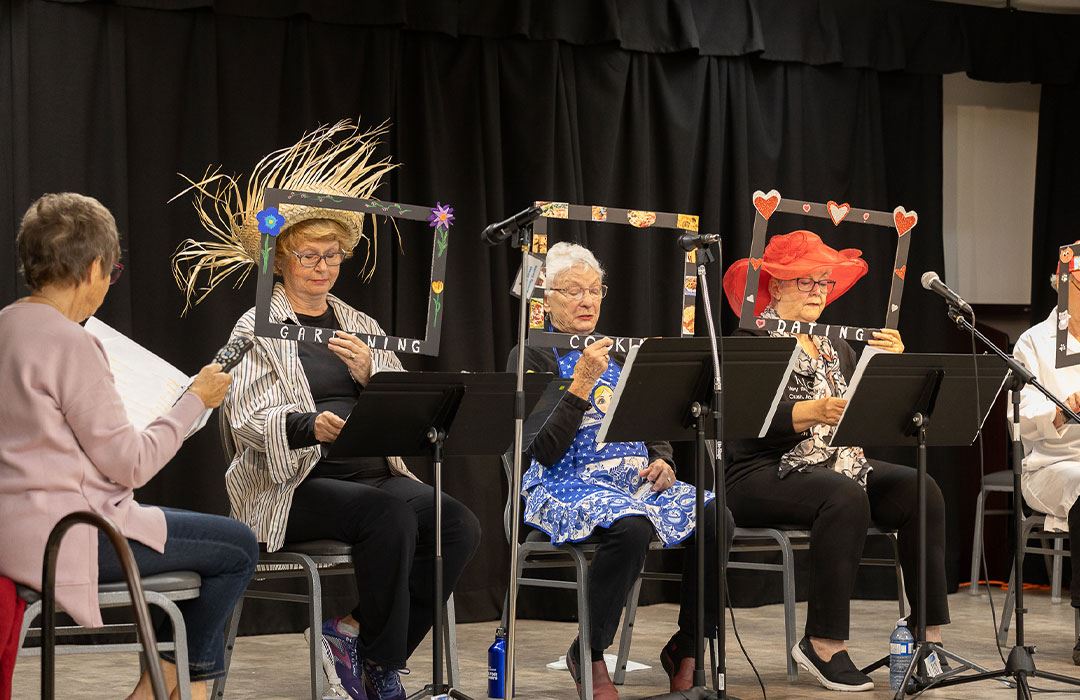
[(809, 284), (578, 293), (114, 276), (312, 259)]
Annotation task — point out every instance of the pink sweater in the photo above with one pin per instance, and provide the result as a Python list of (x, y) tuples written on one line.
[(66, 445)]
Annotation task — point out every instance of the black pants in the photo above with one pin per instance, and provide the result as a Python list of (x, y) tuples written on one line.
[(390, 522), (837, 511), (618, 560), (1074, 553)]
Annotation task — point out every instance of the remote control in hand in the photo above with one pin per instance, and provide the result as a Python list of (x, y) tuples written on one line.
[(234, 350)]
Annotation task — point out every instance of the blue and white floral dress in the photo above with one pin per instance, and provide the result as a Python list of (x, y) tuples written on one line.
[(595, 484)]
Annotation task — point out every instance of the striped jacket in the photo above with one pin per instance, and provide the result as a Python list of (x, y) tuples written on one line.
[(268, 384)]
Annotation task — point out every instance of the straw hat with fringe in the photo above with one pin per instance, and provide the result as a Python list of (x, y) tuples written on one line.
[(338, 159)]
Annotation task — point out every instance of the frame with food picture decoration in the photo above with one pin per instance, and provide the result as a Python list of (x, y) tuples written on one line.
[(537, 335), (768, 203), (271, 223), (1068, 266)]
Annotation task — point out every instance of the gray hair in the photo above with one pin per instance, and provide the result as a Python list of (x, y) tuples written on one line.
[(60, 237), (563, 256)]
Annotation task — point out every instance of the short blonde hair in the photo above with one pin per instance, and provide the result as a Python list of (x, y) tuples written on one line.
[(313, 230), (563, 256)]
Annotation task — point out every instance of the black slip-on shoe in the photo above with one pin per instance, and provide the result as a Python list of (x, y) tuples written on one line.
[(838, 673)]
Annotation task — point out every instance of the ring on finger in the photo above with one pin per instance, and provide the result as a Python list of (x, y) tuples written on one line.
[(352, 355)]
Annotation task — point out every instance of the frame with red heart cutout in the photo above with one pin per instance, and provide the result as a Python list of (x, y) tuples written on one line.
[(1068, 266), (538, 335), (766, 204)]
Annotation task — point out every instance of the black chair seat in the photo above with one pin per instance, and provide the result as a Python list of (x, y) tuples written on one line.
[(319, 548), (159, 583), (1002, 478)]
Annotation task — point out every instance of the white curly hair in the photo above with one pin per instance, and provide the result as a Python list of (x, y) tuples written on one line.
[(563, 256)]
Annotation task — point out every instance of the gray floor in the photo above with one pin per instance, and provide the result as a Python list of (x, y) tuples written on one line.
[(274, 666)]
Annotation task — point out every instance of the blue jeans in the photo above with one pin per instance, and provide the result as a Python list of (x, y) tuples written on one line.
[(223, 552)]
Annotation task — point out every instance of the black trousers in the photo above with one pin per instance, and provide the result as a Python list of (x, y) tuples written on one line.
[(1074, 552), (837, 511), (618, 560), (390, 522)]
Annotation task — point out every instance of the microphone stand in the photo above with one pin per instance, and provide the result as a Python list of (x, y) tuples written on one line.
[(700, 413), (1020, 665), (522, 238)]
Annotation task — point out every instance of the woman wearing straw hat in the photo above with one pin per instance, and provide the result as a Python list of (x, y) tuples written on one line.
[(289, 402), (793, 477)]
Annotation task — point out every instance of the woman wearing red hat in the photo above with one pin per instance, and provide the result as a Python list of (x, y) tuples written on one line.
[(793, 477)]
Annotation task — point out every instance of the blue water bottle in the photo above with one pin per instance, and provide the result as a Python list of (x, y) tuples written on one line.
[(497, 665), (901, 650)]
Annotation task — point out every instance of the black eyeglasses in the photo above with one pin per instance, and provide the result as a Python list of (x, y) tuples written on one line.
[(312, 259), (114, 276), (809, 284)]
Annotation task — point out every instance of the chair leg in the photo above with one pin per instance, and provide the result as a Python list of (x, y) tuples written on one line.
[(900, 593), (1055, 575), (29, 615), (788, 561), (318, 679), (627, 632), (976, 543), (231, 627), (453, 670), (176, 619), (584, 631)]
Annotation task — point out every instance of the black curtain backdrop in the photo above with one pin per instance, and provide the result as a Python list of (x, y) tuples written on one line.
[(675, 106), (1057, 190)]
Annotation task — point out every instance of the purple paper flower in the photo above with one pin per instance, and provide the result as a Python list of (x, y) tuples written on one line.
[(270, 221), (441, 216)]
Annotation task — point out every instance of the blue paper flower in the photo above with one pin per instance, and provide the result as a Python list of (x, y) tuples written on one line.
[(270, 221)]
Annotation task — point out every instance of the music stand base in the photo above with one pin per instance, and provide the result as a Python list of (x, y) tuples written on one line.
[(696, 693), (444, 691)]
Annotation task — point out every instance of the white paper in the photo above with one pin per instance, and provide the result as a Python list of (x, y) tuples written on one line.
[(535, 266), (605, 423), (148, 385), (609, 659), (780, 391)]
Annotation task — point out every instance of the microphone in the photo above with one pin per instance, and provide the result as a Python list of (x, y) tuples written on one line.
[(692, 241), (499, 232), (931, 281)]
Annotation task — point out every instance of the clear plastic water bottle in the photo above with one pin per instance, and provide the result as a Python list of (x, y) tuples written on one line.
[(901, 651), (497, 665)]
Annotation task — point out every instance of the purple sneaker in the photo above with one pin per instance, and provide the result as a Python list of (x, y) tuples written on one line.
[(347, 662), (383, 683)]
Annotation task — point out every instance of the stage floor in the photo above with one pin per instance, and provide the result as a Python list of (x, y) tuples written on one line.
[(274, 666)]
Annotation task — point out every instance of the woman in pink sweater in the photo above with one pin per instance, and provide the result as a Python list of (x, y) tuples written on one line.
[(66, 444)]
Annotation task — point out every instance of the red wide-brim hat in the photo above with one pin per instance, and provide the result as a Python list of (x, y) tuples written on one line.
[(789, 256)]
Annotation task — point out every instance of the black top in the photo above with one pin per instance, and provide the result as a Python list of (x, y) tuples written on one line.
[(746, 456), (334, 390), (554, 439)]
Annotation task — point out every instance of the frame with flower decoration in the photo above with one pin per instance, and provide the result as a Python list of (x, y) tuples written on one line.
[(538, 335), (271, 222), (766, 204), (1068, 275)]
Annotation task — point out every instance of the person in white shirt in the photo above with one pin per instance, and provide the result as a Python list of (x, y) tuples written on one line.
[(1051, 471)]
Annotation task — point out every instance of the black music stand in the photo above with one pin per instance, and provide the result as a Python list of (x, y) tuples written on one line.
[(665, 392), (411, 414), (891, 400)]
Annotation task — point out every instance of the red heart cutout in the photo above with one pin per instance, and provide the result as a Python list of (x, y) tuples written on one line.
[(901, 271), (806, 208), (760, 323), (766, 202), (755, 262), (866, 216), (904, 220), (837, 212)]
